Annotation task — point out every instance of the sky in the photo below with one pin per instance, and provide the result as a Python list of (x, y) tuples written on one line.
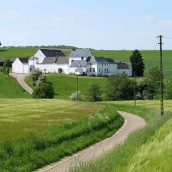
[(98, 24)]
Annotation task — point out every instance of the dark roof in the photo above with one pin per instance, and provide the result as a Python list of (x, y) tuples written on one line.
[(100, 59), (81, 52), (23, 60), (49, 60), (79, 63), (52, 52), (62, 60), (110, 60), (122, 66)]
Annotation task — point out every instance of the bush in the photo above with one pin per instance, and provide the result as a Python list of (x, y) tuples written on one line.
[(45, 90), (168, 90), (42, 79), (60, 70), (76, 96), (7, 63), (35, 74), (94, 93), (120, 88)]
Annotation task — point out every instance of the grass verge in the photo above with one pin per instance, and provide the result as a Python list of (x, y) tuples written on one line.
[(119, 159), (39, 149), (9, 88)]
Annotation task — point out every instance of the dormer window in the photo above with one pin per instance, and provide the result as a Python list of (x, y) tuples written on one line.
[(82, 58)]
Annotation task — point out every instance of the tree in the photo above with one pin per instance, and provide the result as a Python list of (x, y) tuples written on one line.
[(7, 63), (45, 90), (168, 89), (149, 87), (120, 88), (137, 62), (94, 93), (35, 74)]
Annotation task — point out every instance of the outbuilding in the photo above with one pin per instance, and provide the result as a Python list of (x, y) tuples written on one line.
[(20, 65)]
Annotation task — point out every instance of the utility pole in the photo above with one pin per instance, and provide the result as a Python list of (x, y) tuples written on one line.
[(161, 78), (134, 88)]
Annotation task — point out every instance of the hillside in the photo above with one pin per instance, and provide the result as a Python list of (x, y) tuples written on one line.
[(9, 88), (151, 57)]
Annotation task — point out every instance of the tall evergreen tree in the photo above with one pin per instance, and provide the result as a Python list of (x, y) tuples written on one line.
[(137, 62)]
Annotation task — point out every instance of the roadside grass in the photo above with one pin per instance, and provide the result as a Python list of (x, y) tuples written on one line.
[(156, 155), (125, 157), (42, 148), (65, 85), (9, 88), (19, 117)]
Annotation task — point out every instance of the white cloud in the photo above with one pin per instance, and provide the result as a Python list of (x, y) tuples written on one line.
[(149, 18), (165, 24), (58, 19)]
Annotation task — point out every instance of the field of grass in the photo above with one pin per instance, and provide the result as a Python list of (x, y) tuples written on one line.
[(151, 58), (27, 115), (21, 52), (35, 133), (65, 85), (9, 88), (147, 149)]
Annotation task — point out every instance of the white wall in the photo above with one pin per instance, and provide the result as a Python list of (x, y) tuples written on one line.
[(53, 68), (19, 67), (40, 56)]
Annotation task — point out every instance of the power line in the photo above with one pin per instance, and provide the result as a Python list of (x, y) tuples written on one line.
[(156, 42)]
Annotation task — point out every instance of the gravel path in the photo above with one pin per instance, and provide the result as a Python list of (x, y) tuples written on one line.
[(21, 80), (132, 122)]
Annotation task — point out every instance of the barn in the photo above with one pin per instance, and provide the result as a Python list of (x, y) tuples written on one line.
[(20, 65)]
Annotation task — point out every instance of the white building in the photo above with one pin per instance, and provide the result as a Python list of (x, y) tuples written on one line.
[(80, 61)]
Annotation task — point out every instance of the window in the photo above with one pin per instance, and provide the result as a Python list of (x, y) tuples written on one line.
[(82, 58), (99, 69), (107, 70), (93, 69), (90, 69), (102, 64)]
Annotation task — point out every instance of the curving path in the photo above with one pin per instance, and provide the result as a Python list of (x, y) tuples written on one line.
[(21, 80), (132, 122)]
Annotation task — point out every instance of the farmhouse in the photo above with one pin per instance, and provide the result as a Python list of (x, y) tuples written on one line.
[(80, 61)]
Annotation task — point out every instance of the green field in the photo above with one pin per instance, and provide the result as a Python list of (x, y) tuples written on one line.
[(65, 85), (148, 149), (9, 88), (35, 133), (27, 115), (151, 57), (20, 52)]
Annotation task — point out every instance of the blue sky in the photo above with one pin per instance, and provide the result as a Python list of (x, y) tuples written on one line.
[(99, 24)]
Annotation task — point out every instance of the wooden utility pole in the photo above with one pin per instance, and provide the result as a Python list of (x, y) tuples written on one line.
[(161, 78)]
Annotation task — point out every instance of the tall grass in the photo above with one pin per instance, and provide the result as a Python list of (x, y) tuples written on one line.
[(39, 149), (118, 159)]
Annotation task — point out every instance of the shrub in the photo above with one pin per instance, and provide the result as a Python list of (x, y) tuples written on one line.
[(60, 70), (35, 74), (7, 63), (120, 88), (76, 96), (168, 90), (45, 90), (42, 79), (94, 93)]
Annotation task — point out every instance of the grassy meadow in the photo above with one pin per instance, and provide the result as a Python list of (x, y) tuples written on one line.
[(147, 149), (65, 85), (23, 116), (9, 88), (40, 132), (21, 52), (151, 57)]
